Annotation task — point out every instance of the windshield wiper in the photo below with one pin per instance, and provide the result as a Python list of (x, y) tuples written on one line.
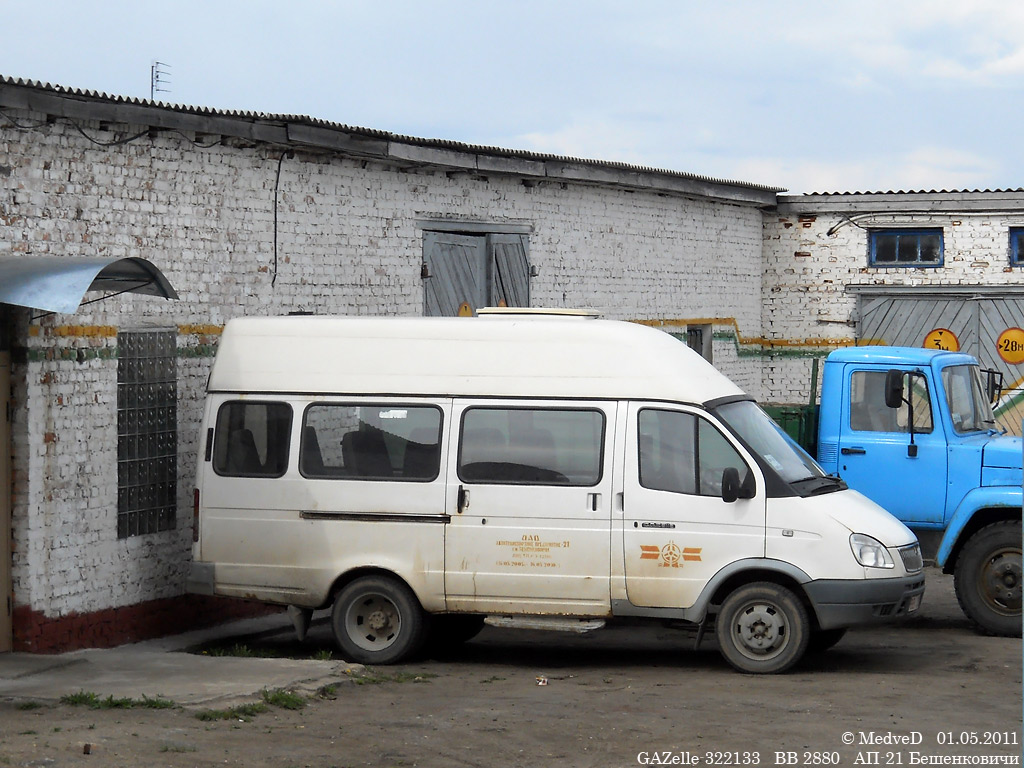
[(821, 484)]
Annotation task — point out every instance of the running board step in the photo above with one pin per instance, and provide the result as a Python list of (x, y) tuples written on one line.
[(553, 623)]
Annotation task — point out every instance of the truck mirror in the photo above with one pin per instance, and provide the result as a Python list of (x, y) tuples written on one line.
[(894, 388), (993, 385), (730, 484)]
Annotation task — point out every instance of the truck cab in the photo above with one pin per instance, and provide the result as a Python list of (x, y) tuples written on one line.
[(913, 430)]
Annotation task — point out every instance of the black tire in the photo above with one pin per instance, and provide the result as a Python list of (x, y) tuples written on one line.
[(377, 620), (762, 628), (987, 579), (823, 639), (446, 632)]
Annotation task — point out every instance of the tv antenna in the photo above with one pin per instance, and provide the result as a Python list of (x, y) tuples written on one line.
[(159, 76)]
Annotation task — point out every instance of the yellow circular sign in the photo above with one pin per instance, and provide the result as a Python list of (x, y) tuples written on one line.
[(942, 338), (1010, 345)]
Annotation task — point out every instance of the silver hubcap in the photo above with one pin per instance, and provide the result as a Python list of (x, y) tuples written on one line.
[(760, 630), (373, 622)]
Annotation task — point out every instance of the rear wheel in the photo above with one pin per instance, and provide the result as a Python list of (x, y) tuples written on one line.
[(377, 620), (988, 578), (762, 628)]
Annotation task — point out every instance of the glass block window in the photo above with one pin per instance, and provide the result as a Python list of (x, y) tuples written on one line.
[(1017, 246), (905, 248), (147, 437)]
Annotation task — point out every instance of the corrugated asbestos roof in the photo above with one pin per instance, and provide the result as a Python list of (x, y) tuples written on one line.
[(373, 133), (914, 192)]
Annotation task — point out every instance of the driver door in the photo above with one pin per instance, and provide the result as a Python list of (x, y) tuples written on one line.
[(678, 532)]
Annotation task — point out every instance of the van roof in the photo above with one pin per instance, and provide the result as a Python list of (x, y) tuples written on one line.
[(511, 355)]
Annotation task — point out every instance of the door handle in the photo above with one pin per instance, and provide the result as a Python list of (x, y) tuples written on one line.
[(462, 499), (593, 499), (850, 451)]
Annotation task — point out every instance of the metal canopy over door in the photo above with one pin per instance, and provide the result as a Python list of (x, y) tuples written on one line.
[(977, 315), (464, 272)]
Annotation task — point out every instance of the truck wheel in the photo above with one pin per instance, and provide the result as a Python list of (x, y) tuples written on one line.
[(762, 628), (987, 578), (377, 620)]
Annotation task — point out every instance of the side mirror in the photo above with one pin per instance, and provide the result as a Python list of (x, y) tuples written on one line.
[(894, 388), (730, 484), (733, 489), (993, 385)]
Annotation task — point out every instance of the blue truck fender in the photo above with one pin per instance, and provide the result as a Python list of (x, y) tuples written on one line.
[(988, 497)]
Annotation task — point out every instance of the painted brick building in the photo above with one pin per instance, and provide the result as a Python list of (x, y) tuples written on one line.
[(254, 214), (891, 268), (250, 214)]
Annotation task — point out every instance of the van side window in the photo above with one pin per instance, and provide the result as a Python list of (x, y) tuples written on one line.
[(381, 441), (682, 453), (252, 439), (869, 413), (532, 446)]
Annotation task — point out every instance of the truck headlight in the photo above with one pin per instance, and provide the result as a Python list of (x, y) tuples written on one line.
[(869, 552)]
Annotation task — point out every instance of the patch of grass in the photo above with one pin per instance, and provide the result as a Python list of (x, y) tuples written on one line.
[(324, 654), (243, 712), (493, 679), (373, 677), (93, 701), (283, 699), (26, 706), (329, 691)]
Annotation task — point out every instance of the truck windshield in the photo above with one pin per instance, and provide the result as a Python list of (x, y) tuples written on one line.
[(965, 395), (761, 434)]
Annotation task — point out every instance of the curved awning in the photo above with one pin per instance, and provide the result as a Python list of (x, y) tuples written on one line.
[(58, 283)]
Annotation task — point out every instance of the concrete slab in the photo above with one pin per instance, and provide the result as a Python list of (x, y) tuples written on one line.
[(162, 668)]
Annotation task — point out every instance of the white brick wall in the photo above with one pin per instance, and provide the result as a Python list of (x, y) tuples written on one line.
[(347, 243), (806, 271)]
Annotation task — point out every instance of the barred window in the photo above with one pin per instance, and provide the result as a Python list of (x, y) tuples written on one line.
[(147, 436), (905, 248)]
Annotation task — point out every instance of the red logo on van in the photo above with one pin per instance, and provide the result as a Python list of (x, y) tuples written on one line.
[(670, 555)]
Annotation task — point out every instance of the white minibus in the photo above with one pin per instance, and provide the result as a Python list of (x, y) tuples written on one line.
[(527, 468)]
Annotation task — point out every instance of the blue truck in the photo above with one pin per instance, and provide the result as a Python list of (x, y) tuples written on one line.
[(913, 430)]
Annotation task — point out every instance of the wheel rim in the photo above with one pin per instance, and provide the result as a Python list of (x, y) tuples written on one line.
[(1000, 581), (760, 630), (373, 622)]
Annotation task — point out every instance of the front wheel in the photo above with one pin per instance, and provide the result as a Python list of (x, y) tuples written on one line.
[(762, 628), (377, 620), (987, 578)]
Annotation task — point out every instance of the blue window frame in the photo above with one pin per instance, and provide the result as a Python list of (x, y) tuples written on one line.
[(1017, 246), (905, 248)]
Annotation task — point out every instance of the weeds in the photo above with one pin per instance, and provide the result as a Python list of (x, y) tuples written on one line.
[(283, 699), (373, 677), (93, 701)]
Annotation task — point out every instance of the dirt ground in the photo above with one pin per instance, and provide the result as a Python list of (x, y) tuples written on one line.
[(929, 691)]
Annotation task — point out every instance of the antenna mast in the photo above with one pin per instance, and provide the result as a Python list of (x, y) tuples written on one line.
[(159, 76)]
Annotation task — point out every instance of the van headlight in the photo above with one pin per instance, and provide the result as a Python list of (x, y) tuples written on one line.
[(869, 552)]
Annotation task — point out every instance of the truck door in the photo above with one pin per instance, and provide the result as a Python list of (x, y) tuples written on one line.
[(530, 504), (874, 440), (678, 532)]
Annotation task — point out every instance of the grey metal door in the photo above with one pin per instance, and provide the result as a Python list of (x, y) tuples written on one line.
[(466, 272), (457, 274)]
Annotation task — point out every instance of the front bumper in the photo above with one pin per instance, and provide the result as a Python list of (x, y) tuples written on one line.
[(846, 603)]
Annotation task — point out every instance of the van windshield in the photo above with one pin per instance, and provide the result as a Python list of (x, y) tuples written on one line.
[(762, 435)]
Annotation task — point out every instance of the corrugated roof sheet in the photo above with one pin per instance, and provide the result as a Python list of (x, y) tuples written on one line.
[(371, 132)]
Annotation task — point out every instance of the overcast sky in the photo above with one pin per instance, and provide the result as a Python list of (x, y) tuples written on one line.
[(811, 96)]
